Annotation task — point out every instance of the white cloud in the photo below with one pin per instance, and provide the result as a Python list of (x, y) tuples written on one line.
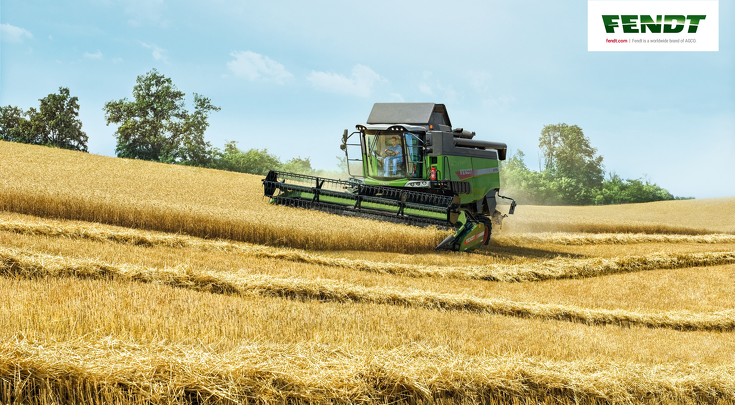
[(424, 88), (158, 53), (450, 95), (10, 33), (148, 12), (96, 55), (434, 88), (395, 97), (501, 101), (117, 60), (479, 80), (360, 84), (254, 66)]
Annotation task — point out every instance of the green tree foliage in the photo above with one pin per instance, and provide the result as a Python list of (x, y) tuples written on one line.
[(572, 174), (14, 127), (260, 161), (298, 165), (572, 162), (56, 123), (253, 161), (194, 149), (615, 190), (156, 126), (60, 114)]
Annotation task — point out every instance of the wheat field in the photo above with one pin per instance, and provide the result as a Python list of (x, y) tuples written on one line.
[(135, 282)]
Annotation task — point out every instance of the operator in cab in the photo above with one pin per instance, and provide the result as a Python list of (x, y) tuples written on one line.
[(392, 154)]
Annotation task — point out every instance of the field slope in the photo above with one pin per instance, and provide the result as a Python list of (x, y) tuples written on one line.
[(138, 282)]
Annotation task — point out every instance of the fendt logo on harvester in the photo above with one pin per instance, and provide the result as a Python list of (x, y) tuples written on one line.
[(653, 26)]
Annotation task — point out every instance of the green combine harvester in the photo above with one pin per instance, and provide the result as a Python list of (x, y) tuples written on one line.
[(415, 169)]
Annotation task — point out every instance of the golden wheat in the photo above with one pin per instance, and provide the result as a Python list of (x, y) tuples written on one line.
[(688, 217), (24, 264), (559, 268), (558, 238), (171, 198), (58, 309), (563, 268), (208, 203), (354, 349), (268, 228), (586, 225), (110, 370)]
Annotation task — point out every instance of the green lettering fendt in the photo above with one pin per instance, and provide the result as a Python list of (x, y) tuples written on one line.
[(414, 169)]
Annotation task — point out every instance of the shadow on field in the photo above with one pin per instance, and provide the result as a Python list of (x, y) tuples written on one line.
[(513, 252)]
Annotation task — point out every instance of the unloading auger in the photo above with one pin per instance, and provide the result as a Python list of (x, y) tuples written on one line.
[(415, 169)]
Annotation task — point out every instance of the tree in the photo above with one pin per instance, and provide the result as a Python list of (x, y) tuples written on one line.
[(549, 142), (572, 174), (615, 190), (155, 126), (14, 127), (572, 161), (194, 150), (60, 115), (55, 124)]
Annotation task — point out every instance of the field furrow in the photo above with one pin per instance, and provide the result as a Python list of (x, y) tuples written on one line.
[(17, 263)]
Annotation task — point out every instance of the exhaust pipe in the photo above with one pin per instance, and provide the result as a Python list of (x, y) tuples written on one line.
[(462, 133)]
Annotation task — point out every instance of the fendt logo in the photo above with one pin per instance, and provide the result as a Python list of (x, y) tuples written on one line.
[(672, 24), (666, 25)]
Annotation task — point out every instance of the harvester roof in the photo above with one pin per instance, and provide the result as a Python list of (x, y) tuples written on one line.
[(409, 113)]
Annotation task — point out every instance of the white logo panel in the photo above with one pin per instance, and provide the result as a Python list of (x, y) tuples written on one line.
[(653, 26)]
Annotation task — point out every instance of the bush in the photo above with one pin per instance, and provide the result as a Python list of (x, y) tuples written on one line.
[(253, 161), (547, 188)]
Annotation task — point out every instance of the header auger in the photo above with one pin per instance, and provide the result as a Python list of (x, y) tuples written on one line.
[(414, 169)]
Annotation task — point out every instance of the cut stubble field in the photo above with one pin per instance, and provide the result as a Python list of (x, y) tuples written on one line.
[(137, 282)]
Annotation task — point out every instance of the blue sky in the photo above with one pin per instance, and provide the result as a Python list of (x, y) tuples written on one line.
[(290, 76)]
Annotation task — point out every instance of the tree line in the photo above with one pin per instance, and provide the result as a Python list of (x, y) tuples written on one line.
[(155, 125), (572, 174), (55, 123)]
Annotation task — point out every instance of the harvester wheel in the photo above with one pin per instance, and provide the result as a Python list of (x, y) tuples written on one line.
[(488, 230)]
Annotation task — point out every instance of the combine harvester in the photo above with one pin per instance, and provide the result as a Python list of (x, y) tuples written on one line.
[(415, 169)]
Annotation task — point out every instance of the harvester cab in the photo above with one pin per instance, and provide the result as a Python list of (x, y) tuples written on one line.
[(408, 165)]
